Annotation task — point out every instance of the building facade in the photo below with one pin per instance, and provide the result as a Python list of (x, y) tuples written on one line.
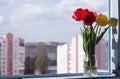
[(70, 56), (30, 53), (62, 58), (12, 55), (30, 49)]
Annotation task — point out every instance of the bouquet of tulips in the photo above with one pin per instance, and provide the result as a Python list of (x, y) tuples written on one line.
[(93, 29)]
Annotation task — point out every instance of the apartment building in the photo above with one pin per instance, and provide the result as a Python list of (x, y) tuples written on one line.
[(70, 56), (12, 55)]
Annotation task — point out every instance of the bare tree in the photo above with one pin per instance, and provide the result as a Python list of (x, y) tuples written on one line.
[(29, 65), (41, 62)]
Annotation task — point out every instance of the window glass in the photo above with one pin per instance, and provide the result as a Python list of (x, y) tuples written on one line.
[(46, 36)]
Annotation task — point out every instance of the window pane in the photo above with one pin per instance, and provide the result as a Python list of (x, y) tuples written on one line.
[(40, 37)]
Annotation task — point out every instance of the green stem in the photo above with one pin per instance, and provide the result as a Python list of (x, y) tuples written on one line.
[(95, 26), (97, 29)]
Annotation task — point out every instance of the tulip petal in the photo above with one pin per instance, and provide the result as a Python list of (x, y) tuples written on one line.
[(113, 22), (102, 20)]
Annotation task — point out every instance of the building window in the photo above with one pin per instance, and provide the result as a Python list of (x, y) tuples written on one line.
[(3, 67), (4, 41), (15, 71), (4, 45), (4, 50), (3, 71), (21, 44), (15, 41), (15, 57), (3, 62), (3, 58)]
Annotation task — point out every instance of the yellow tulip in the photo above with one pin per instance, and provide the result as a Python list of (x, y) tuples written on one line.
[(102, 20), (113, 22)]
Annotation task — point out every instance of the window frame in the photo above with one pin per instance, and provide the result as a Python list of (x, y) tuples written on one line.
[(114, 37)]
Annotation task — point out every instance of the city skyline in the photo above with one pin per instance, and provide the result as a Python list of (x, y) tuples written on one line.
[(44, 20)]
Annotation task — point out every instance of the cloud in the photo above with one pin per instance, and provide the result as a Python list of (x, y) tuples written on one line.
[(45, 13), (1, 19), (26, 13), (95, 5), (35, 15), (29, 9), (39, 20), (6, 1)]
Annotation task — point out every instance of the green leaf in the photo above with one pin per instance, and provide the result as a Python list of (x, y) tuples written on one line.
[(101, 35), (86, 34)]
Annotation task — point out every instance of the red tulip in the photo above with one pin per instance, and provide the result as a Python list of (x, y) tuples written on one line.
[(77, 14), (85, 15), (89, 17)]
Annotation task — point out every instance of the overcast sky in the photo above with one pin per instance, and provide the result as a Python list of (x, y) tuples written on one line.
[(44, 20)]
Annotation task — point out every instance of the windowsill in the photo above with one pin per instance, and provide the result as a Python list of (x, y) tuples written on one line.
[(80, 77), (59, 76), (96, 77)]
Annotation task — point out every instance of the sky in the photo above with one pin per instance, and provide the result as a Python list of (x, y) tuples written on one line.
[(44, 20)]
